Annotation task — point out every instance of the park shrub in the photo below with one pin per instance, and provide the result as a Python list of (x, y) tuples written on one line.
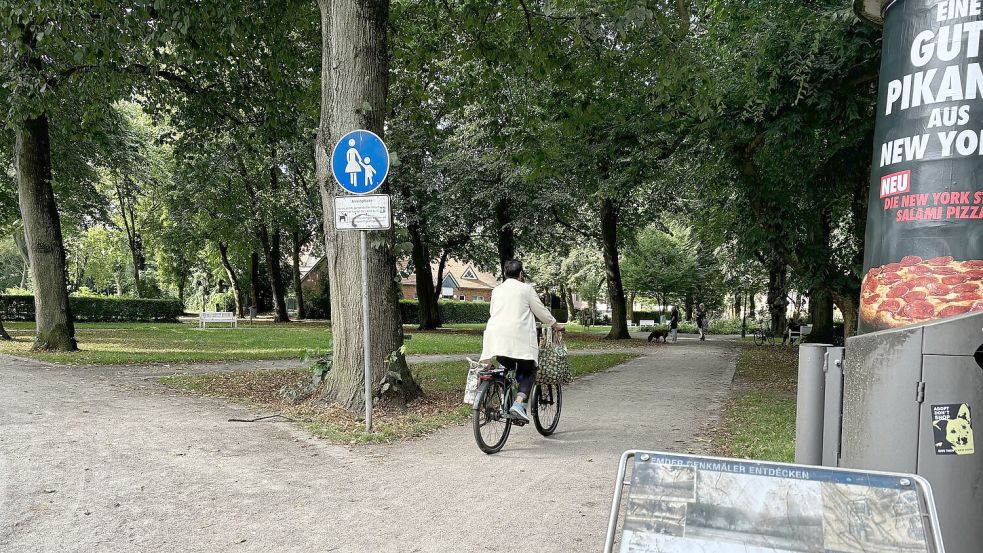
[(317, 300), (585, 317), (318, 307), (98, 309), (717, 326), (725, 326), (222, 301), (451, 312)]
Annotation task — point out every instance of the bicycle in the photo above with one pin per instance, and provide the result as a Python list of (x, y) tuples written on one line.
[(764, 336), (491, 419)]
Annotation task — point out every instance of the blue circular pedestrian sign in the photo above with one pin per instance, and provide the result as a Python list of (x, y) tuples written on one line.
[(360, 162)]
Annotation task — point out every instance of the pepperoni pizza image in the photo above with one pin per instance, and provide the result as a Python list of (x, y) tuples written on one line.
[(916, 291)]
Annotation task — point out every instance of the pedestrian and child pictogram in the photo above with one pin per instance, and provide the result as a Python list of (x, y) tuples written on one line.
[(360, 162)]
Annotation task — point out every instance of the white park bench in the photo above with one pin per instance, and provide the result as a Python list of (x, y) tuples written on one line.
[(646, 322), (206, 317)]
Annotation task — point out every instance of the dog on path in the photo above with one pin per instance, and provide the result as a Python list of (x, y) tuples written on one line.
[(659, 333)]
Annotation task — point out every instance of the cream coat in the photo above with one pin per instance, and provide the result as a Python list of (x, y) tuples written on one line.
[(511, 330)]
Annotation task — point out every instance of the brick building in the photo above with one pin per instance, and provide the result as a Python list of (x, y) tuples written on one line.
[(462, 281)]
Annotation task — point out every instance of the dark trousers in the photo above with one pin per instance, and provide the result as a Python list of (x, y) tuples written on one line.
[(525, 372)]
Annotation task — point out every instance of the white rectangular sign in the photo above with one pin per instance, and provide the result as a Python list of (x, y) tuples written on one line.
[(368, 212)]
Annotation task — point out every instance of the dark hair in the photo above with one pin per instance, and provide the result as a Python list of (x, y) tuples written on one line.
[(512, 268)]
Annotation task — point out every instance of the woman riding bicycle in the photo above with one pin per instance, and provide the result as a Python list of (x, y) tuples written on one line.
[(510, 336)]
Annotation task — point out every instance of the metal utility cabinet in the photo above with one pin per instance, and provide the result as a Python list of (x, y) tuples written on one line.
[(903, 390)]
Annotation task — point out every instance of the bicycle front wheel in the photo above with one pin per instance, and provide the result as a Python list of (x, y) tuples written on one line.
[(546, 404), (759, 338), (489, 420)]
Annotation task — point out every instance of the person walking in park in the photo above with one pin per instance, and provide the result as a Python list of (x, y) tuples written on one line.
[(673, 323), (510, 335), (701, 321)]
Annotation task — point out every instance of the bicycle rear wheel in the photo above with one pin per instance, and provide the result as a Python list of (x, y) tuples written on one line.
[(491, 426), (546, 404)]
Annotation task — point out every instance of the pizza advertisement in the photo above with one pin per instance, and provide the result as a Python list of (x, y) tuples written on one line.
[(916, 290), (923, 257)]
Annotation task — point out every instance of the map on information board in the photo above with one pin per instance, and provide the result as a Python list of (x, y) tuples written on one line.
[(682, 504)]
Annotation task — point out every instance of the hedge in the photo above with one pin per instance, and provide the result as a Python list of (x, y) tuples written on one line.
[(451, 312), (459, 312), (717, 326), (98, 309)]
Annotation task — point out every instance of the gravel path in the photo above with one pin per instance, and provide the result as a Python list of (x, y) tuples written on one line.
[(106, 460)]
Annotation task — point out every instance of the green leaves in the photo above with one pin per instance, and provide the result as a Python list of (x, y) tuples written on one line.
[(661, 263)]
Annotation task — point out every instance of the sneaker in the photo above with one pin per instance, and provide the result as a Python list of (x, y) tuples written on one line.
[(519, 410)]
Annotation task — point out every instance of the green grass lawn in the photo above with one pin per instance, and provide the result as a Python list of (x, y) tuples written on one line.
[(133, 343), (443, 385), (759, 420)]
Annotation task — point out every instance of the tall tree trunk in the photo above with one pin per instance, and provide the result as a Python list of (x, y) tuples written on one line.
[(3, 331), (821, 315), (612, 268), (21, 244), (571, 308), (42, 231), (506, 232), (851, 312), (254, 280), (688, 305), (426, 292), (630, 306), (271, 254), (298, 287), (182, 284), (354, 82), (744, 316), (230, 272), (438, 286), (777, 294), (270, 240), (132, 240)]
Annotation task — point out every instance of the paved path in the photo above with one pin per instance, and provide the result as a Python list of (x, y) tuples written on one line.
[(97, 461)]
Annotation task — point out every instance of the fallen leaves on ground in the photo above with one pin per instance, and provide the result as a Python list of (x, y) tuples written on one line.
[(426, 414)]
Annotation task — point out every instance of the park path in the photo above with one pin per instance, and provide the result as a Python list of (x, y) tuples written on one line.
[(98, 461)]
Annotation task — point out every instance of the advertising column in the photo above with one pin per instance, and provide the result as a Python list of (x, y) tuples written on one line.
[(924, 243)]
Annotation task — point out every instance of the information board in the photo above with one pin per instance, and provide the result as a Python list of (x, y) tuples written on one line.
[(682, 503), (369, 212)]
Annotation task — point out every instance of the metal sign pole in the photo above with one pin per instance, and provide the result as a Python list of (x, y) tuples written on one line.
[(360, 164), (366, 351)]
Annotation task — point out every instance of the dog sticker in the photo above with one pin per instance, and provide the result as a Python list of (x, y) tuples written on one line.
[(953, 429)]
